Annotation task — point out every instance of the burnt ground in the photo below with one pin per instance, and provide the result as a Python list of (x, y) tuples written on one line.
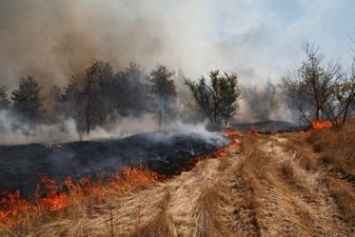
[(22, 166), (284, 184), (263, 185), (269, 126)]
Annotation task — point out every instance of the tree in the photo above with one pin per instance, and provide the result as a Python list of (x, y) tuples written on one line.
[(218, 101), (261, 101), (4, 100), (340, 105), (27, 100), (86, 96), (129, 92), (319, 93), (163, 89)]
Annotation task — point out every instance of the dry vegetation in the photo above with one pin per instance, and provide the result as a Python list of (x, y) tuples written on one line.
[(296, 184)]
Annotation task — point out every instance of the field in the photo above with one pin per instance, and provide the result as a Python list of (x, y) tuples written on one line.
[(283, 184)]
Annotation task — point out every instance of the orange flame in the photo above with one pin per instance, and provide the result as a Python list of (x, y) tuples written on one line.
[(53, 201), (12, 207), (321, 124), (231, 133), (50, 198)]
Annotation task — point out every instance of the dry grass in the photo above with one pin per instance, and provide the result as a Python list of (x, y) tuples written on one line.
[(336, 146), (279, 185)]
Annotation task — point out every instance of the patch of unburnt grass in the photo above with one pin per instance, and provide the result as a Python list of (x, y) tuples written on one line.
[(336, 149), (336, 146), (343, 196)]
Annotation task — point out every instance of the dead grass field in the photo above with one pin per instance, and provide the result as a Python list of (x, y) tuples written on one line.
[(295, 184)]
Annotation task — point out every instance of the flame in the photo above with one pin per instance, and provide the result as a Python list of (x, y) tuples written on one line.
[(50, 197), (53, 201), (12, 206), (321, 124), (231, 133)]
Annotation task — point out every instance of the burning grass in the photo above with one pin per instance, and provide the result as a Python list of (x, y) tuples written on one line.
[(53, 201), (294, 184), (321, 124)]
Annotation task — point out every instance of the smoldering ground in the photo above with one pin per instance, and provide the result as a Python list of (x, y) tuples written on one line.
[(165, 153)]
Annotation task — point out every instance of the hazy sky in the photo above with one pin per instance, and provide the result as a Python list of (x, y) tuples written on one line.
[(268, 35), (256, 38)]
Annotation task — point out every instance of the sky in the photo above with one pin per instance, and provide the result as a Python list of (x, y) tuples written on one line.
[(257, 39)]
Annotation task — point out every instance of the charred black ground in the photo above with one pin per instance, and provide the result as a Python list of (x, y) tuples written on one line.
[(22, 166)]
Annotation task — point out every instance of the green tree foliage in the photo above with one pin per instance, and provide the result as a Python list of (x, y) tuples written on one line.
[(86, 96), (317, 93), (164, 93), (4, 99), (128, 91), (218, 101), (27, 100)]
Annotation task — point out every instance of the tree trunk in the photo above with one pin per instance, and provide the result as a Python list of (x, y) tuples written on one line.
[(160, 117)]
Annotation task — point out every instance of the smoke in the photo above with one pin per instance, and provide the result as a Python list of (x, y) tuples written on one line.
[(14, 130), (54, 40)]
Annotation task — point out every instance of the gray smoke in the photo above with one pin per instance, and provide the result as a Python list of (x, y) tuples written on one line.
[(52, 40)]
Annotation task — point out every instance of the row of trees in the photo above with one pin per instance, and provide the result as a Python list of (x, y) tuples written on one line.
[(98, 96)]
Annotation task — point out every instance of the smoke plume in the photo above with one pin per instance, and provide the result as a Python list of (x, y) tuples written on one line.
[(54, 40)]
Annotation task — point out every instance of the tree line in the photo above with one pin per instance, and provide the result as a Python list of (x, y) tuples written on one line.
[(98, 95)]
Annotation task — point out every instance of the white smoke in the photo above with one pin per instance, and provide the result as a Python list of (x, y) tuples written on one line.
[(15, 131)]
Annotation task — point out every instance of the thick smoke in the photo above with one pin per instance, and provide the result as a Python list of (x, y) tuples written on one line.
[(52, 40)]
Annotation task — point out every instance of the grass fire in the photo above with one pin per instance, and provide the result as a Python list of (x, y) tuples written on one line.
[(176, 118), (289, 183)]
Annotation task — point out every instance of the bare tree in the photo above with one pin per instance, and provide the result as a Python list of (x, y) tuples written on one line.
[(218, 101), (339, 106), (319, 93), (163, 89)]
